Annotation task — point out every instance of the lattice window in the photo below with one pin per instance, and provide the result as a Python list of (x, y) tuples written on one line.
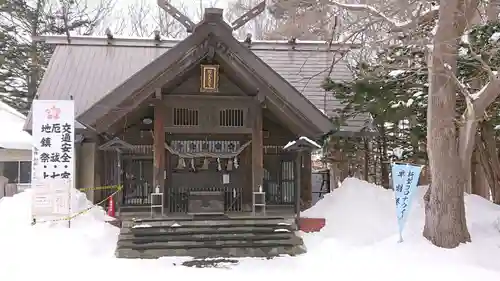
[(231, 118), (186, 117), (198, 146)]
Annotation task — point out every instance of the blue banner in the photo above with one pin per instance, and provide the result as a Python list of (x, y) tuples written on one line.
[(404, 181)]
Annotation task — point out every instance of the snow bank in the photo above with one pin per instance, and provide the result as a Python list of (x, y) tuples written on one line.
[(363, 214), (355, 207), (359, 242), (89, 235)]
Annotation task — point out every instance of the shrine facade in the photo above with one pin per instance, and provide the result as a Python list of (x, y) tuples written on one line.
[(202, 121)]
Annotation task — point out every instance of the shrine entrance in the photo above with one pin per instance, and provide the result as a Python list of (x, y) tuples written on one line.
[(206, 176), (137, 181), (279, 176)]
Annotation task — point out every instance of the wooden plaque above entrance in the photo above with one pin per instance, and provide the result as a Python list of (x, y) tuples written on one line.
[(209, 78)]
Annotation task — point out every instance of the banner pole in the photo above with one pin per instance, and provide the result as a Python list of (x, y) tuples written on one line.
[(69, 205)]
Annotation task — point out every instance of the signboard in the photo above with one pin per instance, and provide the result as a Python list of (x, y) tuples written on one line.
[(404, 180), (209, 78), (53, 158)]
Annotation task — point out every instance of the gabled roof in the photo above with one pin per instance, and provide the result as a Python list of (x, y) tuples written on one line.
[(90, 68)]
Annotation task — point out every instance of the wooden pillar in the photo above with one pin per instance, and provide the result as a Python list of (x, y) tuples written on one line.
[(159, 142), (306, 180), (298, 182), (257, 148)]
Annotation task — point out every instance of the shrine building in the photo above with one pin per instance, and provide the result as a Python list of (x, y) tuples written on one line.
[(206, 116)]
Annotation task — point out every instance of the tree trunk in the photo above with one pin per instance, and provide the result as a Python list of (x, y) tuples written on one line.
[(34, 66), (445, 224), (366, 169), (384, 168), (480, 184), (492, 10), (490, 161)]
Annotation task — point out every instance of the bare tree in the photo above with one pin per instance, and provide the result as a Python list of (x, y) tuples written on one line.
[(144, 18), (261, 27), (449, 149), (200, 7)]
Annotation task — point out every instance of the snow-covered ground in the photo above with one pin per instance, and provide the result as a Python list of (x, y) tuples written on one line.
[(359, 242)]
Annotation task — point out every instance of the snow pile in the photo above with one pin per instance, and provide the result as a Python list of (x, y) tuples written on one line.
[(354, 208), (359, 242), (13, 136), (362, 216), (89, 235)]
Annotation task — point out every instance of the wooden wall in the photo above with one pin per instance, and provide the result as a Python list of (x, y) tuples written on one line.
[(274, 134)]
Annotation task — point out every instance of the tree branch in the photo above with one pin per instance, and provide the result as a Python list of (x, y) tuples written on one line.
[(475, 108), (484, 65), (486, 96), (469, 99), (396, 26)]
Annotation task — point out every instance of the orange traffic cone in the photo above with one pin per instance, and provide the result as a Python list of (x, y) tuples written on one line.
[(111, 207)]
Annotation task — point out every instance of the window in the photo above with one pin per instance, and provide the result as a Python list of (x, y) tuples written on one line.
[(10, 170), (186, 117), (231, 118), (16, 172), (25, 171)]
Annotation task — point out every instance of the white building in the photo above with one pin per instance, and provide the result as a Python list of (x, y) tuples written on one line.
[(15, 147)]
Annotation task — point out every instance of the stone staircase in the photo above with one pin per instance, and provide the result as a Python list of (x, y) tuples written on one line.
[(203, 237)]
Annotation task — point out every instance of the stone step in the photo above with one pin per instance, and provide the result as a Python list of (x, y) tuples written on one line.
[(261, 251), (205, 237), (204, 230), (206, 223), (294, 241)]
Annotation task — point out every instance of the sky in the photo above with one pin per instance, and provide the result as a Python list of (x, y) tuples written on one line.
[(122, 6), (191, 5)]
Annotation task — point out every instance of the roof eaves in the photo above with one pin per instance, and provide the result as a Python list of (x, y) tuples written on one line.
[(301, 103), (272, 45)]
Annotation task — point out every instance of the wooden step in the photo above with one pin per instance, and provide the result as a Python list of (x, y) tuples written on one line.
[(262, 251), (208, 223), (205, 237), (217, 218), (209, 244), (204, 230)]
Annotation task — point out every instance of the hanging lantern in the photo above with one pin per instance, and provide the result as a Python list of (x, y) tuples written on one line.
[(235, 162), (181, 164), (205, 164), (229, 166)]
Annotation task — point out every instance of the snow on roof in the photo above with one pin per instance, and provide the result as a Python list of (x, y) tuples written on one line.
[(11, 111), (13, 136), (310, 141)]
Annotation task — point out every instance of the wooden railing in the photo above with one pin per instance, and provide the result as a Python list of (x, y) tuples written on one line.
[(177, 198)]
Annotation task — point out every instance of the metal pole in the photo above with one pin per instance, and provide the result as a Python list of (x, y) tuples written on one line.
[(119, 177), (298, 168)]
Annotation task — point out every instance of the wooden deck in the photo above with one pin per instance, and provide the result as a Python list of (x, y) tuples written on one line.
[(144, 213)]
